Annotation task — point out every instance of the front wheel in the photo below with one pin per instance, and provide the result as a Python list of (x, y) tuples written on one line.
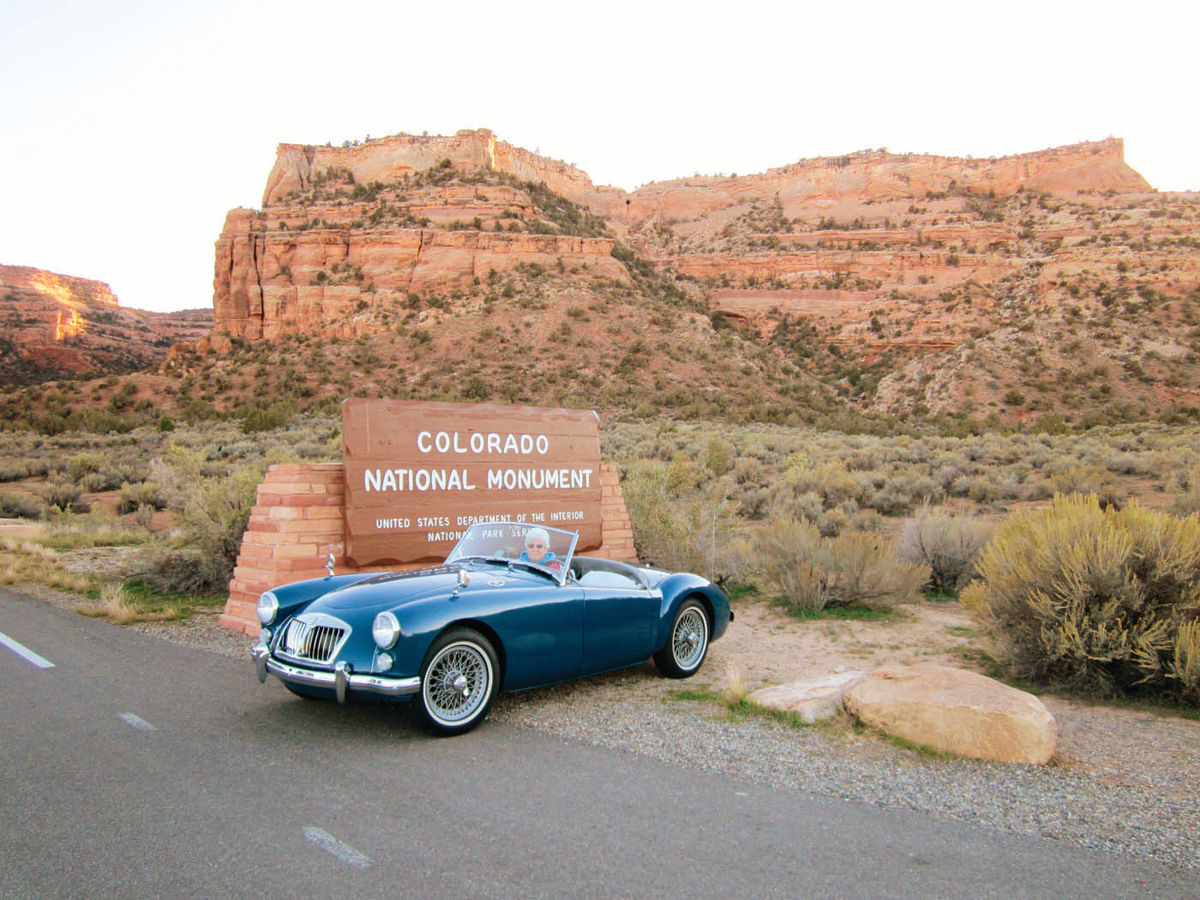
[(688, 644), (458, 682)]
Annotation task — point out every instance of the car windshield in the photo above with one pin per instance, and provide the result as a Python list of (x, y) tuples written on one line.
[(548, 549)]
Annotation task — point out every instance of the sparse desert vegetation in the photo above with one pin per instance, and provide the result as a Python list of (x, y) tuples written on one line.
[(800, 518)]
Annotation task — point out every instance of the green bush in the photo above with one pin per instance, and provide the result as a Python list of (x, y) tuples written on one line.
[(268, 418), (1100, 601)]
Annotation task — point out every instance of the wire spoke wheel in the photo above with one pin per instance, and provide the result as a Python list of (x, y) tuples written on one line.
[(684, 652), (458, 683), (690, 638)]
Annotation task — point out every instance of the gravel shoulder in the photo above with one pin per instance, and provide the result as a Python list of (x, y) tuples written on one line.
[(1124, 780)]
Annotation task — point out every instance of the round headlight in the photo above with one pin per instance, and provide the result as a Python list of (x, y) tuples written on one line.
[(268, 606), (386, 630)]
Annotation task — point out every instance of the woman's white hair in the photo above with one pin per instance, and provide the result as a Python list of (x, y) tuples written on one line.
[(537, 532)]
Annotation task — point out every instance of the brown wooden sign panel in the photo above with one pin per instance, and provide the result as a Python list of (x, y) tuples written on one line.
[(418, 474)]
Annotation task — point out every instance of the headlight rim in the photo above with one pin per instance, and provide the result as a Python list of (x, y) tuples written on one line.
[(392, 625), (267, 607)]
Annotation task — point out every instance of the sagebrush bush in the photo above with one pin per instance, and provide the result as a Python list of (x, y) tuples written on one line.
[(787, 551), (692, 535), (143, 494), (809, 572), (18, 469), (16, 506), (67, 497), (214, 509), (1188, 500), (949, 545), (1100, 601)]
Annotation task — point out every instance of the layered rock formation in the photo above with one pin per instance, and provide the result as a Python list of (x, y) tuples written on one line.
[(873, 270), (340, 225), (55, 326)]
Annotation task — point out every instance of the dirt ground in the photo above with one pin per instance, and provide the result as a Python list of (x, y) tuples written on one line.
[(765, 646), (769, 647)]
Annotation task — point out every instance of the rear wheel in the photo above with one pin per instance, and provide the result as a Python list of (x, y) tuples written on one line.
[(458, 682), (688, 644)]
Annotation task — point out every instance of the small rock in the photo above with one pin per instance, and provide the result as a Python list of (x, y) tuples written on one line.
[(812, 698)]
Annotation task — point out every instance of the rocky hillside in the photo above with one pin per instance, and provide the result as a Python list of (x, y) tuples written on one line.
[(56, 326)]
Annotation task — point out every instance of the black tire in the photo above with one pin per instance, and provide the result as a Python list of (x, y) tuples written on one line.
[(687, 645), (459, 680)]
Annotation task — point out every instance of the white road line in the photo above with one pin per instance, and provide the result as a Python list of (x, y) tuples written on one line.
[(137, 722), (336, 848), (25, 652)]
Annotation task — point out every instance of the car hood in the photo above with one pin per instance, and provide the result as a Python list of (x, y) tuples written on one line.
[(392, 590)]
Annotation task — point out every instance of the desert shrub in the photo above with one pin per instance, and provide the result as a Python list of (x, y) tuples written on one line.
[(1100, 601), (810, 572), (93, 482), (1087, 480), (864, 569), (786, 503), (837, 485), (82, 464), (948, 545), (19, 469), (833, 522), (16, 506), (139, 495), (268, 418), (901, 494), (984, 489), (65, 496), (717, 457), (213, 509), (1187, 501), (788, 551), (692, 534)]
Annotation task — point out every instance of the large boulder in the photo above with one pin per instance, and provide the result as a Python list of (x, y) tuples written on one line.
[(810, 699), (957, 712)]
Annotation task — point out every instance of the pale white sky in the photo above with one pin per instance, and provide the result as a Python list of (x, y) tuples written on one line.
[(130, 128)]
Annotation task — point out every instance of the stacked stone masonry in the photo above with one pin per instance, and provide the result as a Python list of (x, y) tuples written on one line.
[(299, 519)]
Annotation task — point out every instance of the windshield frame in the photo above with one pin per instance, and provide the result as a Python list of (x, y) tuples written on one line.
[(504, 542)]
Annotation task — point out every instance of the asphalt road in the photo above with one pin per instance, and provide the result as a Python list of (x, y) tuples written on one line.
[(134, 767)]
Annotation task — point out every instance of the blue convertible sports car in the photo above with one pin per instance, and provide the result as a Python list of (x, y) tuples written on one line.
[(512, 608)]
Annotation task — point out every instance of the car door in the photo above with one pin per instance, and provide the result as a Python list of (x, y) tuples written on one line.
[(542, 633), (619, 619)]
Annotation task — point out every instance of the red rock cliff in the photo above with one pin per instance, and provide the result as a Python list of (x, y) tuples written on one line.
[(343, 229)]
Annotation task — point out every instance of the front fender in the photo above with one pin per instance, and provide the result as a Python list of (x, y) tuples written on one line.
[(296, 594)]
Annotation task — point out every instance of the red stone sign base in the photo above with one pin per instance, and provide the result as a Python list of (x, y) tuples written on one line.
[(299, 518)]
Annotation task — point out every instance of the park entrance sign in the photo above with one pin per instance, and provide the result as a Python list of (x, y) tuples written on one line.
[(418, 474)]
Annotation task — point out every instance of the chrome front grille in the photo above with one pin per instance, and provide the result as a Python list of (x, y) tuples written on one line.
[(313, 637)]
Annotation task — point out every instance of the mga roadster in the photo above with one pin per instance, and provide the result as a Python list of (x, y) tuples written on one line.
[(512, 608)]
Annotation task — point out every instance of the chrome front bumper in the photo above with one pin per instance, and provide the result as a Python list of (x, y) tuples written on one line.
[(340, 680)]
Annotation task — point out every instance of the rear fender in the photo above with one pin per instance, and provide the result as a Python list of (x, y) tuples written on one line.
[(678, 588)]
